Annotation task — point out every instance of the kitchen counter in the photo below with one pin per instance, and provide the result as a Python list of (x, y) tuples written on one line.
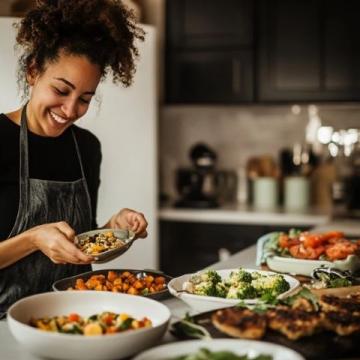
[(243, 214), (10, 349)]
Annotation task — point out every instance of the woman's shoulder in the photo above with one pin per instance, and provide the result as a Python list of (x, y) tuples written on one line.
[(8, 127), (86, 137)]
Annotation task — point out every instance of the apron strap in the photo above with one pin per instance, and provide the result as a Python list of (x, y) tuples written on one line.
[(24, 160)]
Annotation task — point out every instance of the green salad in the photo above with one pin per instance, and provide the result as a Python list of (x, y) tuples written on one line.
[(206, 354), (241, 284)]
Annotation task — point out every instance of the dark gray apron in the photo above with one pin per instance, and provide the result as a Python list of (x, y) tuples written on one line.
[(41, 202)]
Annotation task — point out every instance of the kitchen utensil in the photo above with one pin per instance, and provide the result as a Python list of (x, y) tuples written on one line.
[(127, 236)]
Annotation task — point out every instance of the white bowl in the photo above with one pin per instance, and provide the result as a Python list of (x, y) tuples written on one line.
[(239, 347), (86, 303), (206, 303), (306, 267)]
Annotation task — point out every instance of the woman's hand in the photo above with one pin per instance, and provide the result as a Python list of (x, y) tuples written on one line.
[(130, 220), (56, 241)]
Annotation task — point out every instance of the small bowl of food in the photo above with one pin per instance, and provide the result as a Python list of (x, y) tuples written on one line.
[(148, 283), (105, 244), (87, 324)]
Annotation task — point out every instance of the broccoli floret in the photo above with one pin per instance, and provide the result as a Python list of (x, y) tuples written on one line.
[(274, 285), (205, 288), (221, 289), (339, 282), (242, 291), (211, 276), (240, 276)]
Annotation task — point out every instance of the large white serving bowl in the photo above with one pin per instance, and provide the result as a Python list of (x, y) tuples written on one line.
[(86, 303), (239, 347), (206, 303)]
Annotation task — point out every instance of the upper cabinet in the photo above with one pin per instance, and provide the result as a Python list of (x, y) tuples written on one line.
[(308, 50), (236, 51), (209, 53)]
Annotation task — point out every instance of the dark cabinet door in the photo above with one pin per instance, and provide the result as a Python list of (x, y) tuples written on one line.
[(342, 49), (187, 247), (308, 50), (209, 24), (210, 77)]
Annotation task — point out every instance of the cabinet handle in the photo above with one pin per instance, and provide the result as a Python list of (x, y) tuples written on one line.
[(236, 74), (223, 254)]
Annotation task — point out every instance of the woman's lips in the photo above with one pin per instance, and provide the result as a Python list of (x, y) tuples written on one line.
[(57, 118)]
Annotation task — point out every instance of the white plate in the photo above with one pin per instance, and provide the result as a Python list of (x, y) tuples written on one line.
[(239, 347), (86, 303), (305, 267), (207, 303), (126, 236)]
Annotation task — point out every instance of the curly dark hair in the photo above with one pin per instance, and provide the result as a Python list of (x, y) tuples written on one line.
[(104, 31)]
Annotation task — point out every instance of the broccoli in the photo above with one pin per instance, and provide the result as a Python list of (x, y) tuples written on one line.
[(221, 289), (240, 276), (242, 291), (205, 288), (212, 276), (274, 285)]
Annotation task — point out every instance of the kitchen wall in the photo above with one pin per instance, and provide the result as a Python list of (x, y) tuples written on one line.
[(237, 132)]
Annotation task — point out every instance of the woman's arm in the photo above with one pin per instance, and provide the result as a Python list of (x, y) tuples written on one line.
[(55, 240)]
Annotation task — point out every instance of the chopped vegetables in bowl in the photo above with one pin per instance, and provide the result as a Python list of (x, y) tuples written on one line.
[(300, 252), (125, 317), (211, 290)]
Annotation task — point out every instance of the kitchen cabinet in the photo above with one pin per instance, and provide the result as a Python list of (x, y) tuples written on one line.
[(308, 50), (186, 247), (209, 53), (247, 51)]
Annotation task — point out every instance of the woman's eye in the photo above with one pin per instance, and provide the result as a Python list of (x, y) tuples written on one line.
[(85, 101), (58, 91)]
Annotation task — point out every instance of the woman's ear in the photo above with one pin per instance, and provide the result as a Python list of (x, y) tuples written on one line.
[(31, 74)]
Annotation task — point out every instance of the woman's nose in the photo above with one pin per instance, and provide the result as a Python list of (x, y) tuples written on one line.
[(70, 110)]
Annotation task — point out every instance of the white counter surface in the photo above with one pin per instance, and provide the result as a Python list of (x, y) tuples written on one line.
[(236, 214)]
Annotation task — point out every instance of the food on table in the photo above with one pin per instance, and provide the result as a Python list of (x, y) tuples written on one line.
[(293, 323), (241, 284), (98, 324), (324, 278), (98, 243), (204, 353), (329, 246), (240, 322), (300, 315), (123, 282)]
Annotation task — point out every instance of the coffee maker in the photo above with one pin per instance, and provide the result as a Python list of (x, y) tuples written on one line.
[(197, 186)]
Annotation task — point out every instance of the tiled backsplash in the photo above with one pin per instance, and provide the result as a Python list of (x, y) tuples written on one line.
[(236, 133)]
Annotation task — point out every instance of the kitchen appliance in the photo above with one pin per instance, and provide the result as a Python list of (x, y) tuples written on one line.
[(203, 186)]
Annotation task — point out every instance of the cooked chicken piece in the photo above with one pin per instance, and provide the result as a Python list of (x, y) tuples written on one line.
[(303, 304), (293, 323), (342, 322), (240, 323), (333, 303)]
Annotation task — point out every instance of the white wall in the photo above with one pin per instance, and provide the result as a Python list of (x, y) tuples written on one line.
[(125, 122)]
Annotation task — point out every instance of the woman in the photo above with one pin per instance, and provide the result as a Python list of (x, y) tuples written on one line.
[(50, 167)]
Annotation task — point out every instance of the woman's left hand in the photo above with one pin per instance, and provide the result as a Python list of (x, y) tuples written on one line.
[(130, 220)]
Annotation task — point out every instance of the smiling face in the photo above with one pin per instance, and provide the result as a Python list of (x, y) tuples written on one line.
[(61, 94)]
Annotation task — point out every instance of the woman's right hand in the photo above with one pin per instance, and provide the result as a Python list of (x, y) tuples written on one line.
[(56, 241)]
